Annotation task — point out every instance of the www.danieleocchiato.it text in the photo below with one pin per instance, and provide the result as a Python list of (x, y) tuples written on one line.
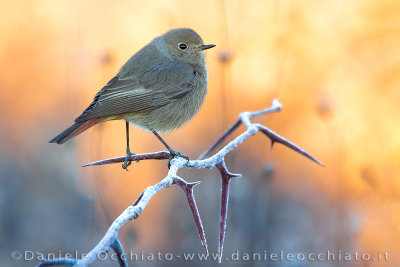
[(330, 256)]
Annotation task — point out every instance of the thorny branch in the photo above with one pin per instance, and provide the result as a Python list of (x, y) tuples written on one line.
[(110, 239)]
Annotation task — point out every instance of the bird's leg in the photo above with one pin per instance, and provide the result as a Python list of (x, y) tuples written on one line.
[(127, 162), (172, 153)]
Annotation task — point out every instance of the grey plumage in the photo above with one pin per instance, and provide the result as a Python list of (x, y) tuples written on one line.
[(160, 88)]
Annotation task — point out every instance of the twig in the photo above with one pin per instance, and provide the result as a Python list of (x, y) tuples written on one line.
[(155, 155), (221, 139), (117, 247), (226, 177), (110, 239), (188, 188), (56, 262), (276, 106)]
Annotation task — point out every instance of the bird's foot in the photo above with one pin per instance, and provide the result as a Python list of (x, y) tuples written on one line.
[(173, 154), (127, 161)]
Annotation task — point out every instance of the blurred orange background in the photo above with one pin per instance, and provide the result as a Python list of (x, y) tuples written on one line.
[(335, 66)]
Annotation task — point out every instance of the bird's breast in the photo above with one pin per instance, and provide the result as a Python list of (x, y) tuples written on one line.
[(177, 113)]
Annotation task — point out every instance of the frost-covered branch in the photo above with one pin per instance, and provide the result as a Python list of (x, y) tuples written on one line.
[(110, 239)]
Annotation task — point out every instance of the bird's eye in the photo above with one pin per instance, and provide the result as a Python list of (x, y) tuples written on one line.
[(182, 46)]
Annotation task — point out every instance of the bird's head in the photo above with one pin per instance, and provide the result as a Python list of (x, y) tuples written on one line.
[(186, 45)]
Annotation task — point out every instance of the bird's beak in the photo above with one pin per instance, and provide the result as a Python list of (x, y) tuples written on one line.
[(204, 47)]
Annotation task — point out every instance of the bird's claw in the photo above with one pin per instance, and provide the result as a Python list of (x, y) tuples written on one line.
[(173, 154), (127, 161)]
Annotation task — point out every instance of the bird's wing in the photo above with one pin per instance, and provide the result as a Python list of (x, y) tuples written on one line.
[(158, 86)]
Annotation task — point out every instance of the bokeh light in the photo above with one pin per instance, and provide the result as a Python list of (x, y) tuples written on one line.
[(335, 66)]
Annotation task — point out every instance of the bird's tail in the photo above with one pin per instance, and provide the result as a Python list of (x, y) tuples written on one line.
[(74, 130)]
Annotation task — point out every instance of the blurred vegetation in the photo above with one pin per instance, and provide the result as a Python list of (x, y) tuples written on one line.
[(335, 66)]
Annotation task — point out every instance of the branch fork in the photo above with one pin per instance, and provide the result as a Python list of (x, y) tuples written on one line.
[(110, 239)]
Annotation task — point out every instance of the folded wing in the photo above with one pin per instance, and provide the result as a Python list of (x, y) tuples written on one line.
[(141, 92)]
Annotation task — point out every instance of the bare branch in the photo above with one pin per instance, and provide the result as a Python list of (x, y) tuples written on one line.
[(131, 213), (276, 106), (56, 262), (188, 188), (278, 139), (221, 139), (226, 177), (110, 239), (117, 247), (155, 155)]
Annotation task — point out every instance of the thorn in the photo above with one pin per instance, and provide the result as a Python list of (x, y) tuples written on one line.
[(233, 175), (272, 144), (191, 185)]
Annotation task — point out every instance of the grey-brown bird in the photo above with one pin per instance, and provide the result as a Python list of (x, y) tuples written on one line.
[(158, 89)]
